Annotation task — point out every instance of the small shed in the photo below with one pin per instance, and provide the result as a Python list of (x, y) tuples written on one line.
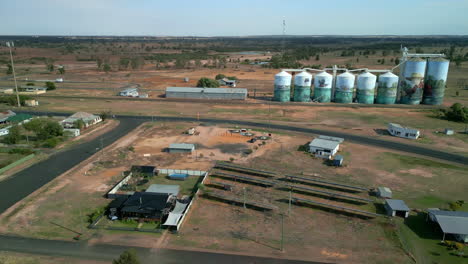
[(74, 132), (164, 188), (396, 207), (181, 148), (449, 131), (324, 148), (149, 171), (384, 192), (338, 161), (451, 222), (178, 176)]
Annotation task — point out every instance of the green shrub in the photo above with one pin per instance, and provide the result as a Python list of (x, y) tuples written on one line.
[(21, 151), (94, 215), (51, 142)]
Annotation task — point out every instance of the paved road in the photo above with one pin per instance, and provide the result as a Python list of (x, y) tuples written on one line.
[(108, 252), (30, 179)]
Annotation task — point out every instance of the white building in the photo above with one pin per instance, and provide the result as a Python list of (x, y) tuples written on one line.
[(405, 132), (88, 119), (130, 92), (324, 148), (5, 131), (75, 132)]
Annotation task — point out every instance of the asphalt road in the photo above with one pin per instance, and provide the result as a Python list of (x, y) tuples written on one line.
[(30, 179), (107, 252)]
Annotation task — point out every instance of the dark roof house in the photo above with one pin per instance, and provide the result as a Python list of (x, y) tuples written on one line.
[(146, 205)]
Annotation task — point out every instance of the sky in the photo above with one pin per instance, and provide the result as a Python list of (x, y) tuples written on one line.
[(233, 18)]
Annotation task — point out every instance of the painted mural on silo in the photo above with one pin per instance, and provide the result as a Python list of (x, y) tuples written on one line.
[(435, 82), (387, 88), (413, 83), (344, 88), (302, 83), (323, 87), (282, 91), (365, 90)]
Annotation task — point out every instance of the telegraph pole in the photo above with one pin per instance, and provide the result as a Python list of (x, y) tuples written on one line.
[(244, 198), (11, 44), (282, 232), (290, 198)]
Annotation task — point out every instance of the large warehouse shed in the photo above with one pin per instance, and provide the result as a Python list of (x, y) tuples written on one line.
[(206, 93)]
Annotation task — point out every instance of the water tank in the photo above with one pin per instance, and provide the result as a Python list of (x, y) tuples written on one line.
[(387, 88), (323, 87), (411, 87), (302, 83), (344, 88), (435, 82), (366, 88), (282, 91)]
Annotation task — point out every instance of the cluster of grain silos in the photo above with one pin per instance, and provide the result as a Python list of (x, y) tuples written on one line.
[(421, 81)]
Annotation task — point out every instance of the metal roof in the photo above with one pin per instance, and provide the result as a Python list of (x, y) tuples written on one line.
[(182, 146), (385, 192), (338, 139), (397, 205), (451, 222), (323, 143), (206, 90), (163, 188)]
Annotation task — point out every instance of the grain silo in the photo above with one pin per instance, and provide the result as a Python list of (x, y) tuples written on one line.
[(435, 82), (387, 88), (344, 88), (366, 88), (302, 83), (282, 87), (323, 87), (411, 87)]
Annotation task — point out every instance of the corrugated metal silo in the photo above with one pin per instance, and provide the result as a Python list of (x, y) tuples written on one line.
[(411, 88), (344, 88), (282, 91), (366, 88), (435, 82), (323, 87), (302, 83), (387, 88)]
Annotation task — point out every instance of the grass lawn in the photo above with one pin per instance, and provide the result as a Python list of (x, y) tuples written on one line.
[(187, 187), (6, 158)]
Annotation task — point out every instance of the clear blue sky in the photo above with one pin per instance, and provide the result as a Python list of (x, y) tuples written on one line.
[(233, 18)]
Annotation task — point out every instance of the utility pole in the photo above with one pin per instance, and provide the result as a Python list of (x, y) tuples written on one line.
[(244, 198), (282, 232), (11, 44), (290, 198)]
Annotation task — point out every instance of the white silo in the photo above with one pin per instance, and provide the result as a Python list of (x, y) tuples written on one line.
[(302, 83), (282, 91), (387, 88), (344, 88), (365, 91), (323, 83)]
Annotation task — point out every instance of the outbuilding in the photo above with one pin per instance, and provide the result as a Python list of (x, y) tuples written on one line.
[(324, 148), (449, 132), (181, 148), (164, 188), (451, 222), (148, 171), (74, 132), (384, 192), (405, 132), (206, 93), (396, 207), (338, 161)]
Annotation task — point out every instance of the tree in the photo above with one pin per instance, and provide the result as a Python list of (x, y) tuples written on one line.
[(127, 257), (106, 67), (50, 86), (44, 128), (30, 84), (50, 67), (457, 112), (382, 61), (9, 69), (220, 76), (397, 61), (13, 136), (207, 83), (79, 124), (317, 57), (99, 63), (61, 70)]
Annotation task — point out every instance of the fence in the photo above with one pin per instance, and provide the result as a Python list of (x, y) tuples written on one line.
[(16, 163), (112, 193), (189, 172), (191, 202)]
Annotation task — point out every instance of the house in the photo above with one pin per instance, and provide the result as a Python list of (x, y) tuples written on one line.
[(164, 189), (451, 222), (396, 207), (88, 120), (32, 90), (19, 118), (405, 132), (130, 92), (384, 192), (31, 102), (5, 115), (324, 148), (181, 148), (147, 206), (148, 171), (227, 82), (74, 132)]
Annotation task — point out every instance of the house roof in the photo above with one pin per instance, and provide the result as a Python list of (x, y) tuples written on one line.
[(6, 114), (206, 90), (324, 143), (451, 222), (340, 140), (19, 117), (182, 146), (83, 115), (400, 126), (164, 188), (146, 203), (397, 205)]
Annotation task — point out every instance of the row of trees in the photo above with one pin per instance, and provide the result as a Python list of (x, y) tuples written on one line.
[(457, 112), (46, 132)]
